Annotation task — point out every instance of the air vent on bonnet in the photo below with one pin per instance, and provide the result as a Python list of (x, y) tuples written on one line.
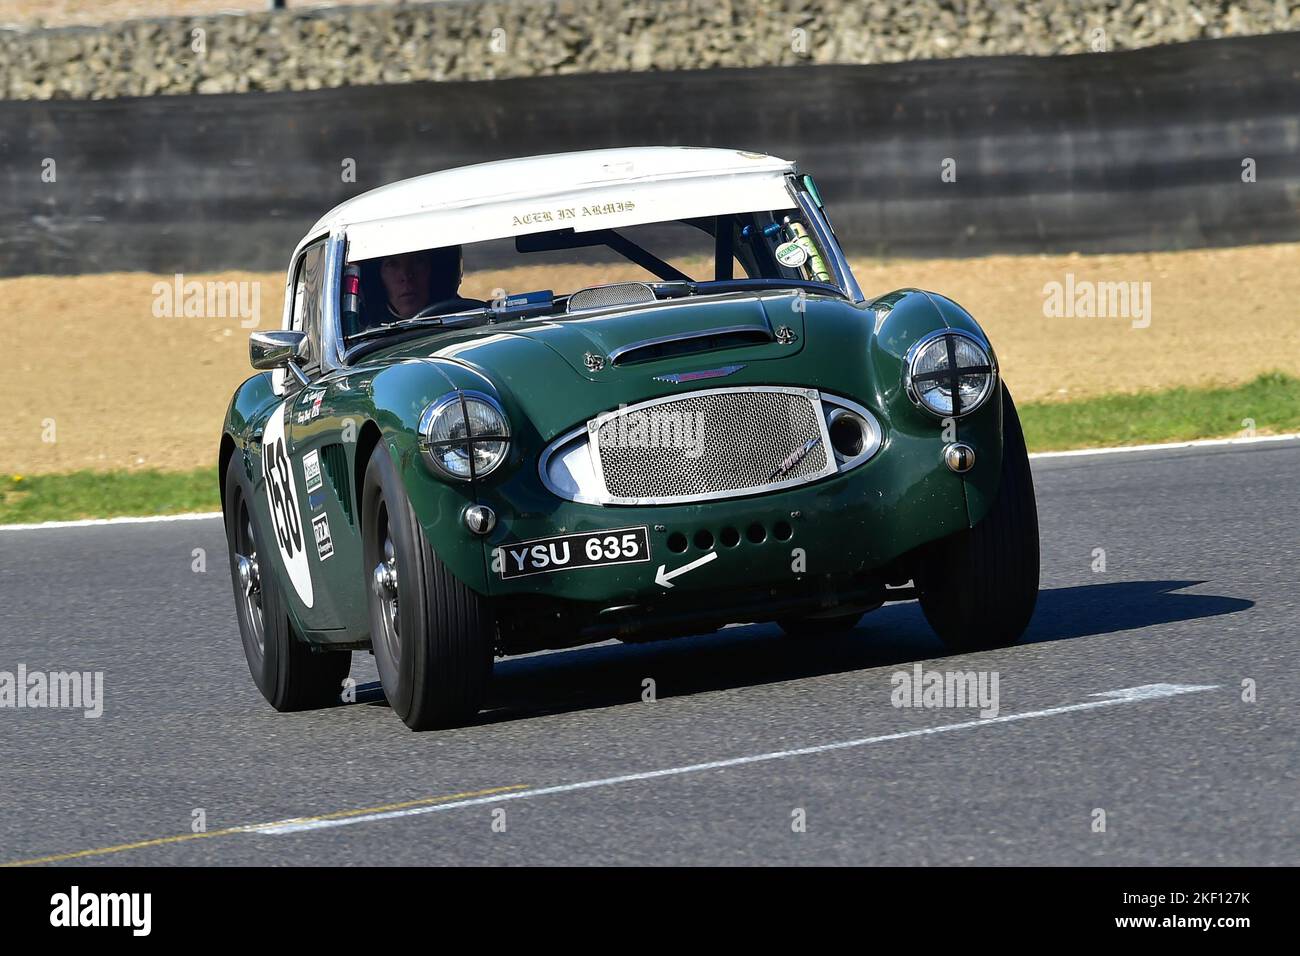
[(688, 343)]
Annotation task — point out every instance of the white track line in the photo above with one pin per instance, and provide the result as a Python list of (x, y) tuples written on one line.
[(1199, 443), (96, 522), (1118, 449), (1126, 695)]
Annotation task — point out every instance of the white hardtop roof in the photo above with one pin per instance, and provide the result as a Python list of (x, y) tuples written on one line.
[(596, 189)]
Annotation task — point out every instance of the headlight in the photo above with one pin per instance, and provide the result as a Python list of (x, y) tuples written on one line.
[(949, 374), (464, 435)]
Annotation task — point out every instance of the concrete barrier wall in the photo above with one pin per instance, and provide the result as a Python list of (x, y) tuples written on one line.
[(1151, 149), (493, 39)]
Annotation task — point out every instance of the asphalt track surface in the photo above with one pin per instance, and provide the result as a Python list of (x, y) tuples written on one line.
[(1199, 591)]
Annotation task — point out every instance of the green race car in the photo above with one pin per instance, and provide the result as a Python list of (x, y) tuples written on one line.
[(711, 425)]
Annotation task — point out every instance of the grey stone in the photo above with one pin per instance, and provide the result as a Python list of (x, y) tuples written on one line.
[(340, 46)]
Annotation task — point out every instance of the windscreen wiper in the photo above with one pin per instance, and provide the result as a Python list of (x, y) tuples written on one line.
[(430, 321)]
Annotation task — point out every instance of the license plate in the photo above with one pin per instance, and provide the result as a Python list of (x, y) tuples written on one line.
[(566, 552)]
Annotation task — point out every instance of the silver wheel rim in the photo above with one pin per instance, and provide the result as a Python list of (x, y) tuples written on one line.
[(384, 583), (250, 580)]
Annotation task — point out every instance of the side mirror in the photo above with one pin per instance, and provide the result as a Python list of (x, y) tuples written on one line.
[(278, 349)]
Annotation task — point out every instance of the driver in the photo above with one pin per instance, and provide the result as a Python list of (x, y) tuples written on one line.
[(413, 281)]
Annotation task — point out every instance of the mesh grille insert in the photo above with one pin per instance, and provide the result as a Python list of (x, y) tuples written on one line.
[(604, 296), (712, 443)]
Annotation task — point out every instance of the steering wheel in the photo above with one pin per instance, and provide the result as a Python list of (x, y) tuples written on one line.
[(454, 304)]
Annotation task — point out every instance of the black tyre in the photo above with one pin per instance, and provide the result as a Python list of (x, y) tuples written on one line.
[(809, 627), (432, 636), (288, 672), (978, 587)]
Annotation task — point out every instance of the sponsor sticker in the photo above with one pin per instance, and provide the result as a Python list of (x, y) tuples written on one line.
[(311, 470), (566, 552), (320, 526), (791, 254), (312, 411)]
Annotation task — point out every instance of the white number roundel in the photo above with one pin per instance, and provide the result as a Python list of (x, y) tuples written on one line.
[(284, 498)]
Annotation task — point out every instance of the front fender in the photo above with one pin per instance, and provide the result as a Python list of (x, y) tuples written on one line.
[(246, 417), (401, 392), (901, 319)]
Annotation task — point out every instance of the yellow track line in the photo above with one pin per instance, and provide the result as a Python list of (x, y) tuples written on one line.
[(183, 837)]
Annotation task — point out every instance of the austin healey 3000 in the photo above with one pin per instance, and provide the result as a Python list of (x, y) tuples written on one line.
[(656, 403)]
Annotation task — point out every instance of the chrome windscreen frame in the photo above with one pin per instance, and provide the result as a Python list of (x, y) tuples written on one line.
[(331, 344), (825, 236)]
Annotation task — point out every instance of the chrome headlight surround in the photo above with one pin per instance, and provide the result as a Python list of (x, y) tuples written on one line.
[(464, 435), (927, 387)]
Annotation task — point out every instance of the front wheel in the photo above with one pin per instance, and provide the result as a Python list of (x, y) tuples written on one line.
[(290, 675), (432, 636), (978, 587)]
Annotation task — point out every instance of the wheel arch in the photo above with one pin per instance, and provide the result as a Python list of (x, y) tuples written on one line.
[(224, 453), (368, 439)]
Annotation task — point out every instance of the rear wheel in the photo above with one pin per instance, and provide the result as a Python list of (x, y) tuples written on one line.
[(432, 636), (290, 675), (978, 587)]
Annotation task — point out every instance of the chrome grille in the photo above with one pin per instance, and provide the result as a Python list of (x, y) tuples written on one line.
[(711, 444)]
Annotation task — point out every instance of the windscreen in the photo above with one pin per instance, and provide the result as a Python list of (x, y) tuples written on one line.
[(542, 270)]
